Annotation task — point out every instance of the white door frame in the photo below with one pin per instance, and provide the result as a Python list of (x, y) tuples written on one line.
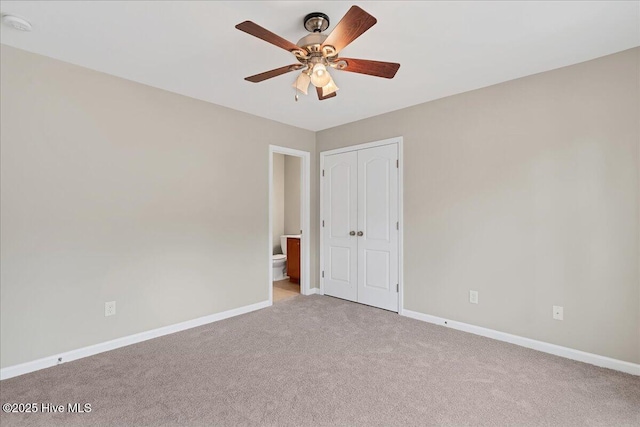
[(305, 217), (396, 140)]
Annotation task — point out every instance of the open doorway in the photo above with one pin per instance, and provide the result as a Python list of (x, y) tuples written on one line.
[(289, 210)]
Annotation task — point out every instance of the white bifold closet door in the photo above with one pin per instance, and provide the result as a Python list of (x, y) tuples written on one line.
[(360, 233)]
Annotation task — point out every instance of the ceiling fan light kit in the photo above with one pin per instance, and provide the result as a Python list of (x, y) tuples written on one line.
[(320, 76), (302, 83), (317, 52), (329, 88)]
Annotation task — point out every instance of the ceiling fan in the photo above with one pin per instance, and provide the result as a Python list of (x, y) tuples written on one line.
[(316, 52)]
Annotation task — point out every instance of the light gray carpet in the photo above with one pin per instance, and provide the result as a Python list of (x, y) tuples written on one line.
[(323, 361)]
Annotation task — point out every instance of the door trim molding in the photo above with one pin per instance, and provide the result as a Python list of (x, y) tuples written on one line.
[(395, 140), (305, 218)]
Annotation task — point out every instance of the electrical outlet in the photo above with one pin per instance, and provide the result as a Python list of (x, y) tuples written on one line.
[(109, 308), (473, 297), (558, 312)]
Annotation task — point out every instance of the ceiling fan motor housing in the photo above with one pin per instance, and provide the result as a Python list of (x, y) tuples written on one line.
[(316, 22), (312, 42)]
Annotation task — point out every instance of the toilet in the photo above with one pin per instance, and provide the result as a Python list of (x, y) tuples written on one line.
[(279, 264), (280, 260)]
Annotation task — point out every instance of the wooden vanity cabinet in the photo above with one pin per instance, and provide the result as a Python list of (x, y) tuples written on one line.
[(293, 259)]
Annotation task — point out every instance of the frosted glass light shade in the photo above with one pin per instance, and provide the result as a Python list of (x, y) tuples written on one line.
[(329, 88), (302, 82), (320, 76)]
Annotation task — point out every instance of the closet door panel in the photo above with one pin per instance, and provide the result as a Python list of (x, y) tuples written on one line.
[(340, 201), (377, 219)]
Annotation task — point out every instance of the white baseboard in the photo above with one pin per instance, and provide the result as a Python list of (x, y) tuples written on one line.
[(569, 353), (314, 291), (47, 362)]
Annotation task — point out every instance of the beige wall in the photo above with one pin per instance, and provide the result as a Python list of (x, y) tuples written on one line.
[(526, 191), (278, 201), (112, 190), (292, 191)]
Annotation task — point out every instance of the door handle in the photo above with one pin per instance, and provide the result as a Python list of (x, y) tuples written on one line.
[(352, 233), (360, 233)]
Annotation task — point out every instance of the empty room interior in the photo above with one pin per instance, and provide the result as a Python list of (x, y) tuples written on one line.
[(305, 213)]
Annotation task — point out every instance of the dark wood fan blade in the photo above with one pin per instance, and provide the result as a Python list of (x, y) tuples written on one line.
[(266, 35), (322, 98), (273, 73), (352, 25), (372, 68)]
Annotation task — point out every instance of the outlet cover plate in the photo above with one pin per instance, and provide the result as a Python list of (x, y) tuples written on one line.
[(473, 297), (109, 308), (558, 312)]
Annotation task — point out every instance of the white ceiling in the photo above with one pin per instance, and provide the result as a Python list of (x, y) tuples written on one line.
[(192, 48)]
